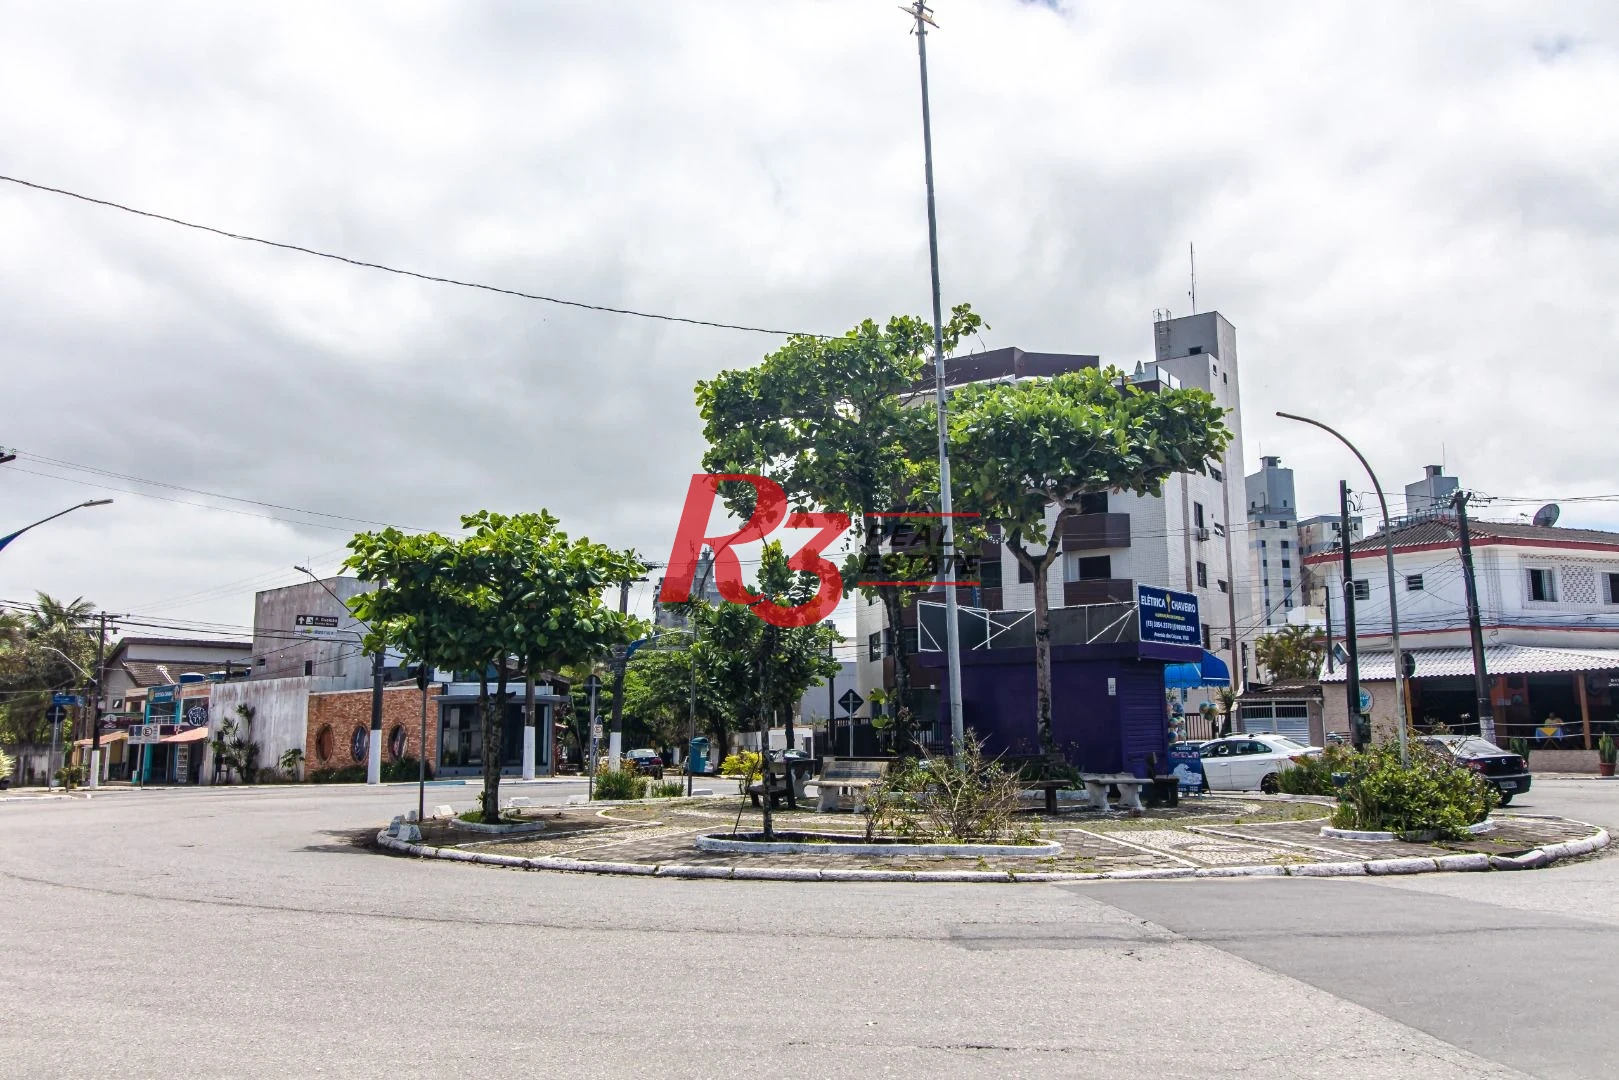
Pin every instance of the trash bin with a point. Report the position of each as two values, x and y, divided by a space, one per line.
697 761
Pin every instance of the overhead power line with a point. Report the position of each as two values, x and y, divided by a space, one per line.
436 278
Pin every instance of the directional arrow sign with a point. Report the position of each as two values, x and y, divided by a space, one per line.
851 701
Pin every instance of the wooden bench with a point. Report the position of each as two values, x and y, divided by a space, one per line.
843 784
1042 773
775 782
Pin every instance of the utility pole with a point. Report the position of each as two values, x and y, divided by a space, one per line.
924 18
1327 603
615 738
93 780
1481 679
373 767
1357 730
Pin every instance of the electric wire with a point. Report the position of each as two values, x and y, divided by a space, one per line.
435 278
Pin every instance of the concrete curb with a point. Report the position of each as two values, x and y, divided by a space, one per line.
718 842
1466 862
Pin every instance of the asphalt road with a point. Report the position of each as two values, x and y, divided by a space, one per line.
216 933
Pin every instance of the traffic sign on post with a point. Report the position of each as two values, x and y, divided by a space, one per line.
851 701
1408 663
56 714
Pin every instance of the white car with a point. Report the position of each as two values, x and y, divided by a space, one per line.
1250 762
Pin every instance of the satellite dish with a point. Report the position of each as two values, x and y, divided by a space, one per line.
1546 516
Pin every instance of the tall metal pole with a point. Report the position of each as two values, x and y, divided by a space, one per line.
93 780
1475 632
1401 720
1352 664
923 17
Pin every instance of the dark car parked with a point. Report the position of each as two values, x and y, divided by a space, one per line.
646 763
1506 772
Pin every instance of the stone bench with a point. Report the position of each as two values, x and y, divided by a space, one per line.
844 784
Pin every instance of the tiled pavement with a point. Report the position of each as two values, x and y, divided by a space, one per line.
1206 832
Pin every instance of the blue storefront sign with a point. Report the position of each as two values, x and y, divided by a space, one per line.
161 695
1168 618
1186 763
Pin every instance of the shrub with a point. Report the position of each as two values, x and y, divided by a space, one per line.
1431 793
741 763
70 776
401 771
1606 750
1521 748
7 764
620 784
960 799
668 790
1313 775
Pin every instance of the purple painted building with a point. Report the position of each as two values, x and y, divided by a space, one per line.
1109 712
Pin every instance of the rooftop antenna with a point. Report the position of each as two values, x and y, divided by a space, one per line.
1191 251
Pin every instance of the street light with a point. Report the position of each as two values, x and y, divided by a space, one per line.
1388 548
373 766
4 540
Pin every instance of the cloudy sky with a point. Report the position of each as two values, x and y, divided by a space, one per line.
1409 211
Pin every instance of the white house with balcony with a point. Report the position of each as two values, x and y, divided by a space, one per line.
1549 610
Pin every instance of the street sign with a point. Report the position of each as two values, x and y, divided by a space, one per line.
144 734
66 699
1365 700
592 684
318 626
56 714
851 701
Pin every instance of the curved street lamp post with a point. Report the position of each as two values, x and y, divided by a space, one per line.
1388 550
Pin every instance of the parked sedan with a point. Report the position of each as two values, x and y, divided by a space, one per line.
1505 771
646 763
1249 762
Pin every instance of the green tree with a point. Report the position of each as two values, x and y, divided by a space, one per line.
516 586
839 423
45 650
1293 652
1025 451
760 667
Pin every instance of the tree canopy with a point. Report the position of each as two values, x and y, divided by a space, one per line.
515 586
43 650
1024 451
838 424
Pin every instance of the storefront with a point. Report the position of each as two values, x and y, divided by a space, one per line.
460 743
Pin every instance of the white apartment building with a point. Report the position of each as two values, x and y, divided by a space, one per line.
1182 540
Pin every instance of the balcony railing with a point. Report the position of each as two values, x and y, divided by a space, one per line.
1098 591
1086 532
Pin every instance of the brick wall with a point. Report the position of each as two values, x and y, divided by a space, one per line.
334 716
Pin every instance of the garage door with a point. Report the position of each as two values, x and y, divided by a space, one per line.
1282 718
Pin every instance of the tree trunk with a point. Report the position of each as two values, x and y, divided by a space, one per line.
764 768
491 751
901 697
1038 568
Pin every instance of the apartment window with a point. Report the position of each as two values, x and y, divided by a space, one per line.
1286 544
1287 583
1093 503
1363 589
1215 474
1205 635
1219 529
1197 514
1413 583
874 646
1223 586
1287 562
309 667
1613 587
1094 568
1542 585
1203 574
1023 575
1263 544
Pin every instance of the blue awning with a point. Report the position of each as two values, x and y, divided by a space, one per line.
1211 672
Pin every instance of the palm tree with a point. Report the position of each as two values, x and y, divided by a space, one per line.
51 617
1293 652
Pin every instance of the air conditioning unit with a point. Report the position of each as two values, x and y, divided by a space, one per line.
1202 536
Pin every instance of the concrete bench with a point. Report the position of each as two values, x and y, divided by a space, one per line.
843 784
1129 785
